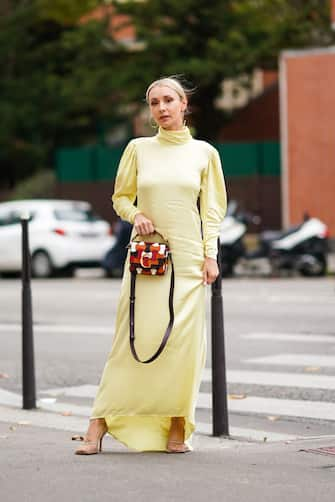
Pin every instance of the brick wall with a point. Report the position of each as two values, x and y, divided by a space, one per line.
308 135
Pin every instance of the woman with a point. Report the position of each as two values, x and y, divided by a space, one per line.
152 406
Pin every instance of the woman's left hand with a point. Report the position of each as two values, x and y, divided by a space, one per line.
210 270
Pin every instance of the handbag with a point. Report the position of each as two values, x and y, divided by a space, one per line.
149 259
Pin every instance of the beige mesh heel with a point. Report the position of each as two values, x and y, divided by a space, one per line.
89 447
177 447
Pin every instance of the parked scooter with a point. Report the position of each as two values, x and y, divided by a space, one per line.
232 231
302 248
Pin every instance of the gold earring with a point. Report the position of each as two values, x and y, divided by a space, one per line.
152 124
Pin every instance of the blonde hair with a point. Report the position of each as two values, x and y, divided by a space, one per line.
171 82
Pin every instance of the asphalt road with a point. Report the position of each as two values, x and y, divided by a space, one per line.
279 334
37 464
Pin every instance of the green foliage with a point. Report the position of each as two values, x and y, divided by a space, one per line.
54 84
64 11
40 185
210 41
62 79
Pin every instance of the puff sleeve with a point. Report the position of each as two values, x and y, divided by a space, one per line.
125 188
213 203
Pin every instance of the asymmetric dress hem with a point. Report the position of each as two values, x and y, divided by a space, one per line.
144 441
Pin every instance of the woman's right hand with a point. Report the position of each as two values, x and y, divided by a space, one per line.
143 225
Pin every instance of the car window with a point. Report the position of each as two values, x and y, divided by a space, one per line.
76 215
13 218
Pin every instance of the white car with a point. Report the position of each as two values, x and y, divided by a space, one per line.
63 234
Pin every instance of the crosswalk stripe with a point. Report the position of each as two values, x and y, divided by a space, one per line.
77 424
266 378
74 409
49 415
286 407
262 378
88 391
255 405
59 328
290 337
294 360
272 406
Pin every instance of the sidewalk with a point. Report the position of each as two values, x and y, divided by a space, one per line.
38 465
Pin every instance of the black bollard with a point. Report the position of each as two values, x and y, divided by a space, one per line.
219 380
28 370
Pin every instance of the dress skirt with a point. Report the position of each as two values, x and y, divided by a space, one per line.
138 400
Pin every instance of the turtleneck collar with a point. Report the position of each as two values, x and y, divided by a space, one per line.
178 137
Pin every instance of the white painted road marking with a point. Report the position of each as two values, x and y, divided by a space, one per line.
259 405
294 360
79 424
318 410
58 328
75 423
266 378
78 391
290 337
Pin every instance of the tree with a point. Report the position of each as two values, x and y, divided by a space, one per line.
62 78
210 41
54 83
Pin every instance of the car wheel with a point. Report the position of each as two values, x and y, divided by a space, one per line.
41 265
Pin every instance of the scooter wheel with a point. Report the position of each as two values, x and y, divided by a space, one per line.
319 269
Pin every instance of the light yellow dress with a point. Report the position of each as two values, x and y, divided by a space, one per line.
167 173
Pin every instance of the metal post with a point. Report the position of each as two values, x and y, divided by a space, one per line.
219 381
28 370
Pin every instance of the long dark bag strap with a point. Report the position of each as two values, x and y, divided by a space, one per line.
132 318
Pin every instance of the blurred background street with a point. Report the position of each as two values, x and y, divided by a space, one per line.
72 95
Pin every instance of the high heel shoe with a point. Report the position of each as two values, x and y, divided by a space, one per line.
184 448
89 447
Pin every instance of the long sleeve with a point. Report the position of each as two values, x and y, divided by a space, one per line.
125 189
213 203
